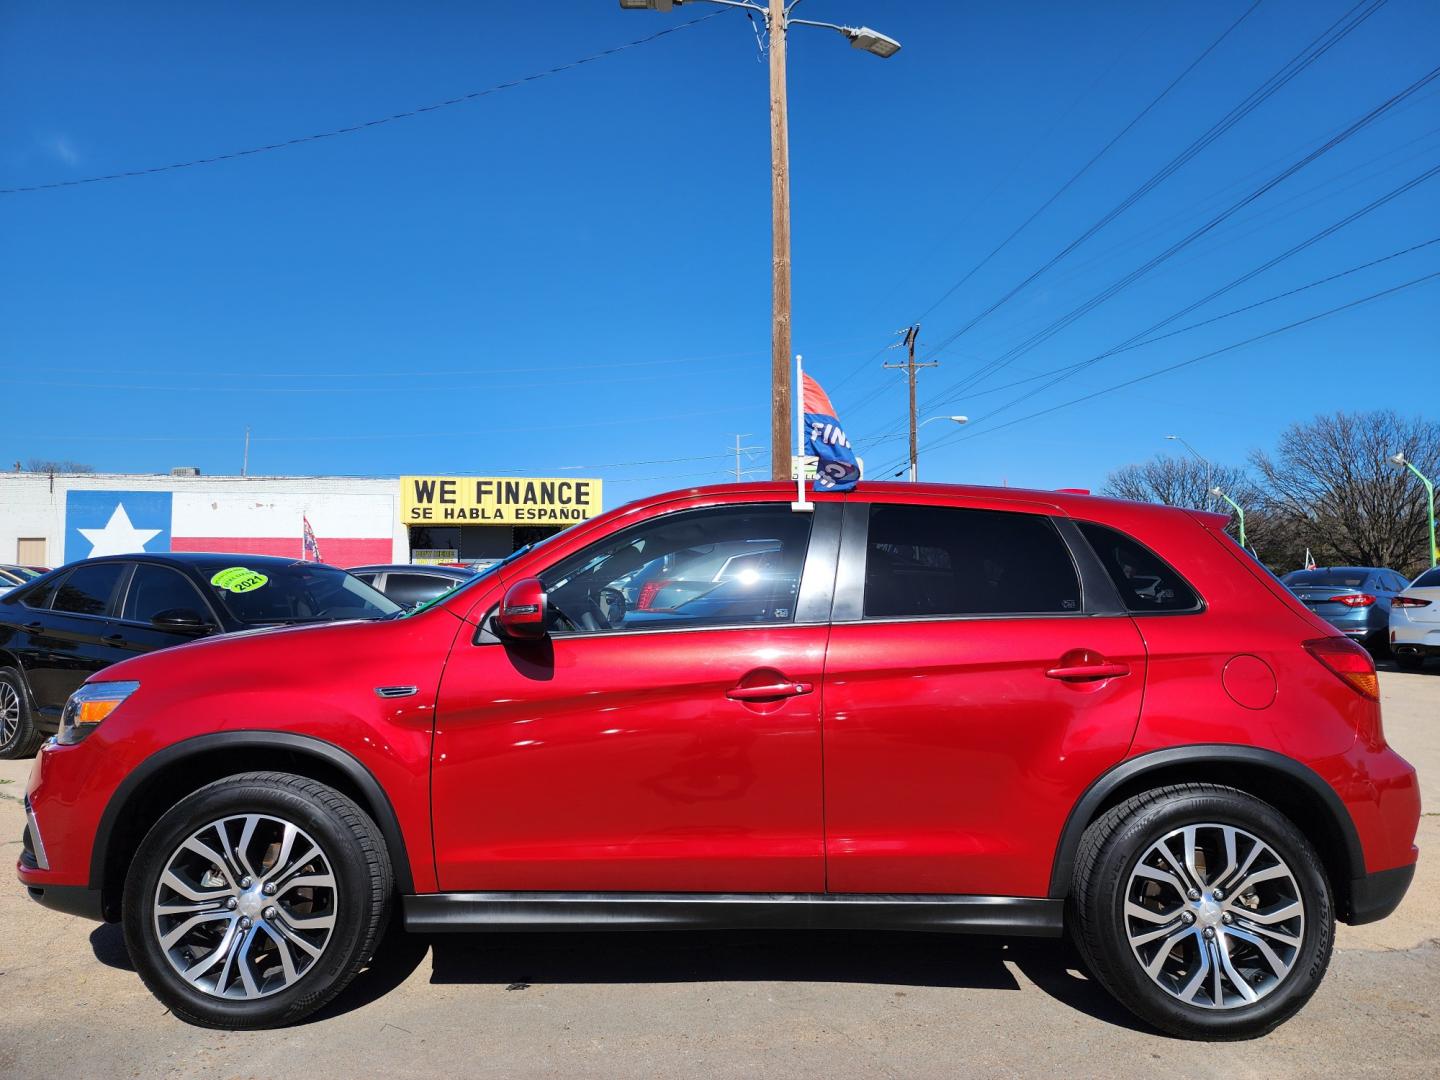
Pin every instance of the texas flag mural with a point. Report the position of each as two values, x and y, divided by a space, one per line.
836 468
126 522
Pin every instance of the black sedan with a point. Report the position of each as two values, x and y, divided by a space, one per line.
58 629
411 585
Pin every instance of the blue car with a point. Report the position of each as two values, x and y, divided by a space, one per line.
1354 599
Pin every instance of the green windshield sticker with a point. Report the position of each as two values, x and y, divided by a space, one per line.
238 579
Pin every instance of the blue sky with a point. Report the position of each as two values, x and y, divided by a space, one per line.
574 274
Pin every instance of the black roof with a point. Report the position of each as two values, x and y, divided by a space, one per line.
194 558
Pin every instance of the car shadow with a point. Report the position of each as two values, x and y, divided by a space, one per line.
879 958
519 961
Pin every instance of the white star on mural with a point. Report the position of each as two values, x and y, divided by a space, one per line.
119 536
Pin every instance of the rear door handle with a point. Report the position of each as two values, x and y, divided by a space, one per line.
770 692
1087 672
114 639
34 627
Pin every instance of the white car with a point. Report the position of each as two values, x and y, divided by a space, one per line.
1415 621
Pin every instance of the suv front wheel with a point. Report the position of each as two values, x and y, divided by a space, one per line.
1203 910
255 900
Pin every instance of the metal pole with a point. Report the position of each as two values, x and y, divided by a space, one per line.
1430 491
245 458
780 247
1239 513
800 503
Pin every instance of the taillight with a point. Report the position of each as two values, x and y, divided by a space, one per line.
1409 601
1363 599
647 594
1349 662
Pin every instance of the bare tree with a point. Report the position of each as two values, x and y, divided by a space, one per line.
1179 481
1330 486
45 465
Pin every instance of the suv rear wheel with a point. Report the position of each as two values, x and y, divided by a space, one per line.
255 900
1203 910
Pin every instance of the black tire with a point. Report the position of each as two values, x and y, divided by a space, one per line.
1409 661
353 852
1108 854
19 737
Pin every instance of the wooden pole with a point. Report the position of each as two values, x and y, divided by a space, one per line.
780 370
910 366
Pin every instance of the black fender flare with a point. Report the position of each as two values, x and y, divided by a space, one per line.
342 760
1252 757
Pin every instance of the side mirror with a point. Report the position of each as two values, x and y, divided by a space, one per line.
522 612
181 621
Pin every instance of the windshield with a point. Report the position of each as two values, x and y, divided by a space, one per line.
267 594
1329 577
480 575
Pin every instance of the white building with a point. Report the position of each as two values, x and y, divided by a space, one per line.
48 520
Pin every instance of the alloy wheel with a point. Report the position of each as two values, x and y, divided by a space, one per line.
9 712
1214 916
245 906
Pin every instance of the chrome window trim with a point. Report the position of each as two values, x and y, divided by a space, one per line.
39 845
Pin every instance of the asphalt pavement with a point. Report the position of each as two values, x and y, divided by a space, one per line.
725 1005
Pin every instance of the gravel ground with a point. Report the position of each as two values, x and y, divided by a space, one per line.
741 1004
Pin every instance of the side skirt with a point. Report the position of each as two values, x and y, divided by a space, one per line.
511 912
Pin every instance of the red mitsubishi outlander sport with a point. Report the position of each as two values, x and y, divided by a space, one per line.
920 707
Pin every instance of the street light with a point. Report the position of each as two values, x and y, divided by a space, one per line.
776 14
1239 513
915 462
1400 461
1206 461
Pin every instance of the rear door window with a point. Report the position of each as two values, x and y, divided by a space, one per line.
154 589
1146 582
929 561
89 589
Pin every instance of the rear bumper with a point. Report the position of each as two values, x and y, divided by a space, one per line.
1375 896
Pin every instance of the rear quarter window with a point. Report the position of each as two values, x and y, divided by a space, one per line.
1147 583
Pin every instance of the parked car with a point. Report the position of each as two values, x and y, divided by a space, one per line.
21 573
411 585
1415 621
987 710
1353 599
61 628
8 580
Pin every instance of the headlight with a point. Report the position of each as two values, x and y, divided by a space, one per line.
88 706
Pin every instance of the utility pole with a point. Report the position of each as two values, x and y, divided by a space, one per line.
778 23
739 471
780 250
911 367
245 458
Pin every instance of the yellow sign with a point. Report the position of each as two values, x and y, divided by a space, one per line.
497 500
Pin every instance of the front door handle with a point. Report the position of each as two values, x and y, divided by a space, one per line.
1088 672
114 639
771 692
34 627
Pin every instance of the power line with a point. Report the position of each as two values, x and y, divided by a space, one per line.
1129 279
1236 282
1307 56
1067 369
1203 356
368 124
1098 155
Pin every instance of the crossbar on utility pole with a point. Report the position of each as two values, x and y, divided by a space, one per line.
911 367
780 250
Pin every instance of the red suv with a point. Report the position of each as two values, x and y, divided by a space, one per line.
926 707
